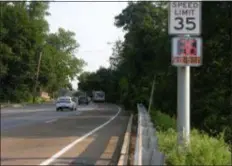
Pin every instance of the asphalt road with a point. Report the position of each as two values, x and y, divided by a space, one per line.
15 117
38 135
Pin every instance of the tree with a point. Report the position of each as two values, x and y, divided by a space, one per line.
24 36
60 65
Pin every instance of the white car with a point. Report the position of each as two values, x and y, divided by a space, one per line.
65 102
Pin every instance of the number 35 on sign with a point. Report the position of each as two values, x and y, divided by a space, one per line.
185 18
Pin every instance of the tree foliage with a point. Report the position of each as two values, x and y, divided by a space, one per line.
146 52
24 37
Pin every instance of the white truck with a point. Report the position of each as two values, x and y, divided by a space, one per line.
98 96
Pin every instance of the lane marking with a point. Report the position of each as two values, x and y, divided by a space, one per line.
65 149
67 158
78 113
111 147
50 121
107 155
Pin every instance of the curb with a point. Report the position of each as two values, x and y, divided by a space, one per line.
124 155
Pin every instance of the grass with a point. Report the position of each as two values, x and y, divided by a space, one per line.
203 149
38 100
162 121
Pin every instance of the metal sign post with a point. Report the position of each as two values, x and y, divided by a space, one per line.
185 20
183 104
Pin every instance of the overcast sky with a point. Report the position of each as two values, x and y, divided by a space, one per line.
93 23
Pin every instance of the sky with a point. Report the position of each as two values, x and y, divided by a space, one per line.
93 24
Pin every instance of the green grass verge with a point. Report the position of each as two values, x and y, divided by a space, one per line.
162 121
38 100
203 149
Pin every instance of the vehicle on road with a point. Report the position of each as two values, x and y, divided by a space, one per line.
65 102
89 99
83 100
98 96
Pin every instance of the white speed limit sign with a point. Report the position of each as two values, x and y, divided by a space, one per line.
185 18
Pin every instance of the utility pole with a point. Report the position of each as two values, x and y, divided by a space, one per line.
151 97
37 76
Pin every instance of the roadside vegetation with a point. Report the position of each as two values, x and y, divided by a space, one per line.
38 100
24 37
203 149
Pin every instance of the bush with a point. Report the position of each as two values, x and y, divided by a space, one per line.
203 149
38 100
162 121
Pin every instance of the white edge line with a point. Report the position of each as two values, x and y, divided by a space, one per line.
65 149
50 121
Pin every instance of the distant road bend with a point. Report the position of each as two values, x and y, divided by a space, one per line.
38 135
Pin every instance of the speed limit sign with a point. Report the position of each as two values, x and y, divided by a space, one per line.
185 18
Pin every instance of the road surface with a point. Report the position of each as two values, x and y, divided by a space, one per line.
39 135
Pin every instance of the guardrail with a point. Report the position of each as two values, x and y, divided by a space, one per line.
146 150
